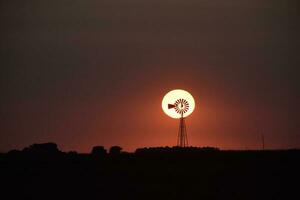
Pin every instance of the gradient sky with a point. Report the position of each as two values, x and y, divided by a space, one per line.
87 72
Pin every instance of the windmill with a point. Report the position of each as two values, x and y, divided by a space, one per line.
179 104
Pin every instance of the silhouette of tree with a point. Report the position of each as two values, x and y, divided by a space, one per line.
175 150
115 150
72 153
98 151
44 148
14 152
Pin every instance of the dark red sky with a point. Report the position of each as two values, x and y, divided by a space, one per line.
85 73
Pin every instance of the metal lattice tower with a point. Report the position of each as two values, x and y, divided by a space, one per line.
182 140
181 106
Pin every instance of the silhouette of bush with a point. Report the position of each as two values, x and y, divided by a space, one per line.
175 149
14 152
98 151
72 153
115 150
44 148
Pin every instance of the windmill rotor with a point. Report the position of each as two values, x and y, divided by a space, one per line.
181 106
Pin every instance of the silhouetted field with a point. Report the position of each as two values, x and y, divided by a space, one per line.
41 171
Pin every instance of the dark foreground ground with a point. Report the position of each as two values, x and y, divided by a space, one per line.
151 174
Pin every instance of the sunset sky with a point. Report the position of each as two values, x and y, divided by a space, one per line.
93 72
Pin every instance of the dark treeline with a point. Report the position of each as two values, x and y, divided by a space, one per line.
52 148
42 171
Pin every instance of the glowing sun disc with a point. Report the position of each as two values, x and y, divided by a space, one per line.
172 103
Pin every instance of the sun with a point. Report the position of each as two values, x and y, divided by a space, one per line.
178 103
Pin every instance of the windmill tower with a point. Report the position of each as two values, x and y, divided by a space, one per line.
179 104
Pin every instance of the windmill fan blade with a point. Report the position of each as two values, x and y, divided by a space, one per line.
170 106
